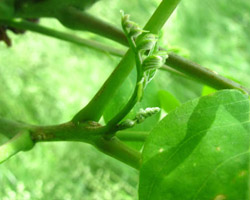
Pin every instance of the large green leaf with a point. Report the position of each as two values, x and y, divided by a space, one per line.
200 151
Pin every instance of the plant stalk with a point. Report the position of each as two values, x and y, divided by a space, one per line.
132 135
202 74
117 149
25 25
77 20
24 136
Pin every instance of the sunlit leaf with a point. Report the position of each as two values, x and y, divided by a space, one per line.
168 101
206 90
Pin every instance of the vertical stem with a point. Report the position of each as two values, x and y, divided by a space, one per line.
161 15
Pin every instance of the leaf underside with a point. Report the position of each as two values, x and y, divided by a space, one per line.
200 151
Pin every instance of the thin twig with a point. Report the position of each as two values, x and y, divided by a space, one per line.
25 25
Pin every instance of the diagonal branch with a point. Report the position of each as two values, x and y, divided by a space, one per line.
25 25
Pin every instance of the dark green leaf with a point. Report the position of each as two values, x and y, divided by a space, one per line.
200 151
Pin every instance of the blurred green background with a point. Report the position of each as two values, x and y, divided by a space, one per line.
46 81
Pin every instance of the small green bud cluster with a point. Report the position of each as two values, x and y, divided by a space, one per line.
139 118
143 114
145 47
131 29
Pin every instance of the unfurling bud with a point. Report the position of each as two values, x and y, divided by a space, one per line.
135 31
147 42
132 29
152 62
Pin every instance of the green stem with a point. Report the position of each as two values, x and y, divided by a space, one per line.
10 128
116 149
89 132
202 74
111 125
76 19
95 108
25 25
21 142
132 135
161 15
175 72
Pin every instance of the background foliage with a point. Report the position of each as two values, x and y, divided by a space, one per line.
45 81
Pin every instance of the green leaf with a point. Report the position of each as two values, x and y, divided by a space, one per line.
168 101
200 151
206 90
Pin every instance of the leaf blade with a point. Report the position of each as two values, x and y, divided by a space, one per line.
177 163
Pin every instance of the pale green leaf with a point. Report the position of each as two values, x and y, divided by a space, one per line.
206 90
168 101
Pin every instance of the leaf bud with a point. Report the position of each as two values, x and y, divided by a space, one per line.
147 42
152 62
143 114
135 31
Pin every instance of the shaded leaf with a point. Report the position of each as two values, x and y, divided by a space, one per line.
200 151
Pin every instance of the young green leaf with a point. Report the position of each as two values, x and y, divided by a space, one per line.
152 62
146 42
200 151
206 90
168 101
